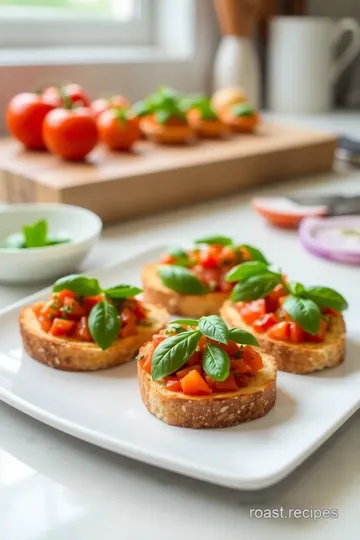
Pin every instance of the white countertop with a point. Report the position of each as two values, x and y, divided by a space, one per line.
54 487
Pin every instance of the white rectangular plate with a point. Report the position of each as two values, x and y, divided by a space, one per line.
105 408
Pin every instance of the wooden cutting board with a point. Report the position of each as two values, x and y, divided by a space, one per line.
155 178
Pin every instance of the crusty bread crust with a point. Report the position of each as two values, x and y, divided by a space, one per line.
188 305
294 357
214 411
71 355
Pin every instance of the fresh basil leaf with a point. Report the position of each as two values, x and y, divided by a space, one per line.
255 253
255 287
79 284
104 324
35 235
296 288
215 240
216 362
242 337
326 298
15 241
172 353
163 116
189 322
245 270
119 292
180 256
180 279
214 328
305 312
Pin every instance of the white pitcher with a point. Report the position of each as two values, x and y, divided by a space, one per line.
302 68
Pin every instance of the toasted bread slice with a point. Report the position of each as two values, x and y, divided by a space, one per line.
216 410
296 357
71 355
188 305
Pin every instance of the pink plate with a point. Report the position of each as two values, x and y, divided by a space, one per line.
333 238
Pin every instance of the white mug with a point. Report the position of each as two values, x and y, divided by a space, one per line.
302 69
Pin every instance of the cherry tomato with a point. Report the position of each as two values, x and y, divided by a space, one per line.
70 133
117 130
25 115
114 102
73 93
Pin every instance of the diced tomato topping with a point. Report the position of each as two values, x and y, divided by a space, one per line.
231 348
264 323
228 256
195 359
51 309
229 385
81 330
297 334
147 363
194 384
72 309
210 382
63 294
251 311
157 339
280 331
37 308
330 311
242 379
128 323
45 323
138 309
185 370
252 358
202 343
91 301
173 384
224 285
272 299
320 336
61 327
240 366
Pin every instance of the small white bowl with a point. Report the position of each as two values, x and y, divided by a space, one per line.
81 226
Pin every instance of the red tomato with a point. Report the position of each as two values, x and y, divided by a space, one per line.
251 311
167 259
272 299
280 331
72 93
173 384
114 102
81 331
65 293
227 386
25 115
70 133
320 336
158 339
252 358
231 348
37 308
209 276
117 130
297 334
72 309
45 323
90 301
61 327
194 384
264 323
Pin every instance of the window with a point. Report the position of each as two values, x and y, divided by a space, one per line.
37 23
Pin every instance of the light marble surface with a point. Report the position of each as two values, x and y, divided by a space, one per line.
53 487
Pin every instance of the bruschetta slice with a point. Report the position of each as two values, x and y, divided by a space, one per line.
192 282
83 327
201 374
302 327
241 118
